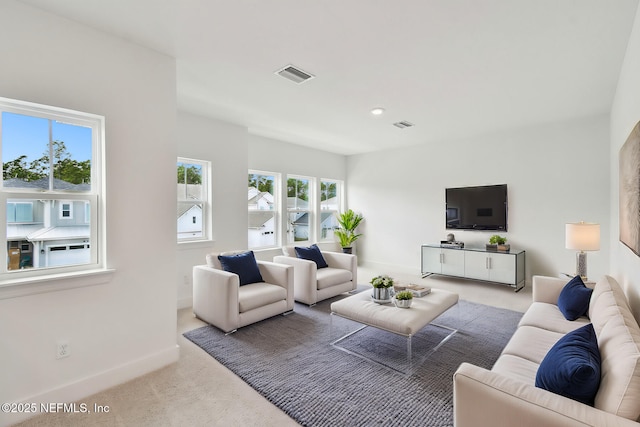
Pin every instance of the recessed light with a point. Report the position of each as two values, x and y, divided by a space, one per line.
377 111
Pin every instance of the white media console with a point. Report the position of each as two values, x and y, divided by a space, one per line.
507 268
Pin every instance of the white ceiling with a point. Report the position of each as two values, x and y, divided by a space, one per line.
454 68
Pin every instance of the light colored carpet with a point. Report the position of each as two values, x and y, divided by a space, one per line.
288 359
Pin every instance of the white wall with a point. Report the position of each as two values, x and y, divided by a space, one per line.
225 146
625 113
556 173
126 327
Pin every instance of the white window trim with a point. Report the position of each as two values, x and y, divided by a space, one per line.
30 281
311 208
207 211
341 202
278 211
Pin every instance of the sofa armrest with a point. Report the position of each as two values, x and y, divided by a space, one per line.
344 261
485 398
547 289
278 274
215 297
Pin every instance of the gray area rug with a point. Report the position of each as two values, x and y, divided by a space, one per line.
289 360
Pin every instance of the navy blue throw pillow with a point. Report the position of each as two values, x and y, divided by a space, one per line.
572 367
574 299
244 265
312 253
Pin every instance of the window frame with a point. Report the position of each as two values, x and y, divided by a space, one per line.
206 201
339 199
310 211
277 210
97 264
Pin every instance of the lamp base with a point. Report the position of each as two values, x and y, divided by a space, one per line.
581 265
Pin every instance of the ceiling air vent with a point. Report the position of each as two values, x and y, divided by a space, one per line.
403 124
294 74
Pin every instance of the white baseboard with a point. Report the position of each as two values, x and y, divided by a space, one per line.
76 391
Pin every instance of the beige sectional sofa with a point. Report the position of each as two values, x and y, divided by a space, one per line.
507 396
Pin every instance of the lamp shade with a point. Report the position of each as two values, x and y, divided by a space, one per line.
582 236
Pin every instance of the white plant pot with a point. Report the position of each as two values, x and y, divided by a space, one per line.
402 303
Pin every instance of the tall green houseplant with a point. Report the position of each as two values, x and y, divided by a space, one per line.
348 221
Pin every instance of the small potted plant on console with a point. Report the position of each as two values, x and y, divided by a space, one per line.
498 243
403 299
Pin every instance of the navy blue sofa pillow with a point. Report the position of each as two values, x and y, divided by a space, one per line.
312 253
571 368
574 299
244 265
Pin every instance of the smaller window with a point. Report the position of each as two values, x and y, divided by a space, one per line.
330 206
66 210
194 205
299 209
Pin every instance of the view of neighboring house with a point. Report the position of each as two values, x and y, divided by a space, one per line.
190 211
261 218
47 233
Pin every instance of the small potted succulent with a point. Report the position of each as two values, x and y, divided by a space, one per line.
498 243
382 286
403 299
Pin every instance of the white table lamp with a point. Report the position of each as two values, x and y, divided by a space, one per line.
582 236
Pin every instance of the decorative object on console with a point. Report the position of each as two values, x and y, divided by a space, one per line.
349 221
629 191
403 299
451 242
382 288
582 236
498 243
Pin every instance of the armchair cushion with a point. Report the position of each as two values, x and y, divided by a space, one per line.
244 265
574 299
312 253
571 368
329 277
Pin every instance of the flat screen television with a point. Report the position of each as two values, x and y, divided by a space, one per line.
477 208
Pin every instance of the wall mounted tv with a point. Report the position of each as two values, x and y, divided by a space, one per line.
477 208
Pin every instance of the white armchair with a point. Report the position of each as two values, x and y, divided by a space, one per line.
312 284
220 300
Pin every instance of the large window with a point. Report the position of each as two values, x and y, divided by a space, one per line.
193 200
52 190
330 206
299 209
263 209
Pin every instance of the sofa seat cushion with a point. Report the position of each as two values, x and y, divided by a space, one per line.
572 367
548 316
515 367
257 295
531 343
618 337
328 277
